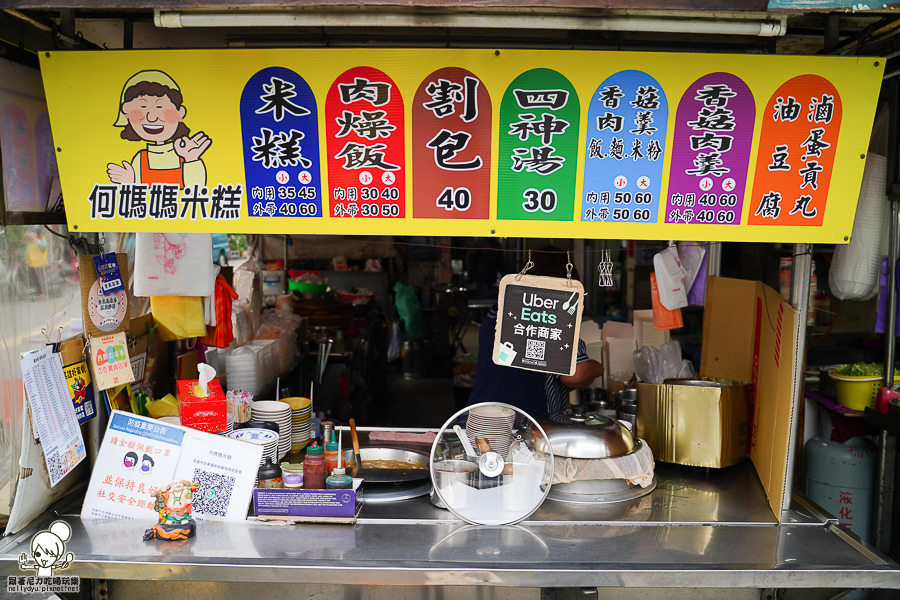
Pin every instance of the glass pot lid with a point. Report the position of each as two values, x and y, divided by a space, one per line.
484 471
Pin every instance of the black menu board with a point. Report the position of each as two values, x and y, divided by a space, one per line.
538 322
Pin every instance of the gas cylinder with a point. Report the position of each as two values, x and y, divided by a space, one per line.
840 477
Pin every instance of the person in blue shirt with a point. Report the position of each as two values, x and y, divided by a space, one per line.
533 392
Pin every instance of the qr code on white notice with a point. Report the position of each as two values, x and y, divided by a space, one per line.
213 493
535 349
55 467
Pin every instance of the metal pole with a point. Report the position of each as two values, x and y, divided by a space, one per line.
801 271
714 259
883 512
885 482
891 290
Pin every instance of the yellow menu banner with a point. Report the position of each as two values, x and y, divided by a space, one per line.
521 143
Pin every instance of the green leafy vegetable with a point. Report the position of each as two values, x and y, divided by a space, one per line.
862 369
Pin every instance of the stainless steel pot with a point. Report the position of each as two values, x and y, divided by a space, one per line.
577 433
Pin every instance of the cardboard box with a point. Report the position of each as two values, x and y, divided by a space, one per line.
309 505
751 334
205 413
696 426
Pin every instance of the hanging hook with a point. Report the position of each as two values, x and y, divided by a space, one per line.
569 267
59 335
46 334
528 266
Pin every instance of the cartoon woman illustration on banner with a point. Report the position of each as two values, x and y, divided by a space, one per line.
151 110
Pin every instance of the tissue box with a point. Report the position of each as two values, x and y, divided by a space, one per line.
327 506
205 413
701 423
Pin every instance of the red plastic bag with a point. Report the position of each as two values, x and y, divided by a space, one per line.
221 335
663 318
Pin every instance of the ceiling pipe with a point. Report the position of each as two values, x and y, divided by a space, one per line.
771 26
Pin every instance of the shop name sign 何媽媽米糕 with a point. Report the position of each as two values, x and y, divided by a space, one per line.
463 142
538 322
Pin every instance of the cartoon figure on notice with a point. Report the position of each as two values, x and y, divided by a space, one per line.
79 388
174 506
151 110
47 548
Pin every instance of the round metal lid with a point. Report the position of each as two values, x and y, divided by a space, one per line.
580 433
484 471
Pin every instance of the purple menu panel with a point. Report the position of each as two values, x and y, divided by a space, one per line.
711 151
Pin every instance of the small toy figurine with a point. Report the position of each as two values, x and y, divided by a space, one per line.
174 506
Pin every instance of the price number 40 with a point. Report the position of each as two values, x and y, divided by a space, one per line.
455 199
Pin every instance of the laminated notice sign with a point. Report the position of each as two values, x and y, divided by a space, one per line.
140 455
538 322
52 412
112 366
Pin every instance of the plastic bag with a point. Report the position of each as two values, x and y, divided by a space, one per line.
655 365
670 276
854 269
693 259
173 264
410 310
663 318
881 317
394 345
178 317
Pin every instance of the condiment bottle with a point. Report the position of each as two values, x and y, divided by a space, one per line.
270 475
314 468
331 455
339 480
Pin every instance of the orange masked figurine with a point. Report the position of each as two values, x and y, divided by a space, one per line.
174 506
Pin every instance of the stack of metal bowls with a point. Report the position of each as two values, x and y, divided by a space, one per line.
626 407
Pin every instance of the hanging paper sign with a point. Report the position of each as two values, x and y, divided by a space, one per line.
101 313
280 137
538 154
796 153
112 366
626 138
711 153
538 322
451 131
107 268
364 123
78 378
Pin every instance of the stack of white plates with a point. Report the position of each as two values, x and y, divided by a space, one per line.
494 424
266 438
229 425
279 412
301 426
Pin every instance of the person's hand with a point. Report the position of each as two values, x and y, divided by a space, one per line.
123 173
190 149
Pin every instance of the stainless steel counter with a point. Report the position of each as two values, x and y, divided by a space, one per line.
698 528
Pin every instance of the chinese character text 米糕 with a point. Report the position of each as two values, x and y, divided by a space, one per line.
277 100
